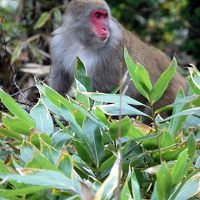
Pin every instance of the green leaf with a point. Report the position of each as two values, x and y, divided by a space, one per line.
123 109
82 77
39 161
113 98
135 187
35 158
49 152
195 76
4 168
60 138
191 145
88 114
192 121
132 69
106 166
184 113
57 99
52 107
10 134
100 114
176 123
27 151
42 118
125 193
197 164
83 101
65 164
135 132
154 195
83 84
15 124
57 15
189 189
194 99
164 182
71 105
163 82
194 89
166 140
124 124
180 168
17 111
170 153
23 191
150 141
38 138
94 139
143 78
42 20
6 197
82 146
68 116
83 151
47 178
110 184
81 98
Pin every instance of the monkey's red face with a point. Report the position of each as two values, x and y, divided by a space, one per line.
99 23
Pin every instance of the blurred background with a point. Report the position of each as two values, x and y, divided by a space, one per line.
26 25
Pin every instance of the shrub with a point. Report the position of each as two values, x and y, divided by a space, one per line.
72 148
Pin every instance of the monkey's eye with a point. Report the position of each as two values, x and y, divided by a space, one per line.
98 15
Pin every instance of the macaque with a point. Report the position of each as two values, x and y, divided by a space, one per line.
90 33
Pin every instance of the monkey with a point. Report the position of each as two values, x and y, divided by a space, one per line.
92 34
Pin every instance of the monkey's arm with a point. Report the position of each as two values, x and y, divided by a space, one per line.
62 70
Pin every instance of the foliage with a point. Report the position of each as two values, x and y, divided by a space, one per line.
167 23
71 148
27 26
192 14
77 148
159 21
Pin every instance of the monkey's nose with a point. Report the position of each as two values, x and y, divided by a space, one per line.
105 30
103 33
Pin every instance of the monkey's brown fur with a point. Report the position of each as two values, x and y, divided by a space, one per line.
103 60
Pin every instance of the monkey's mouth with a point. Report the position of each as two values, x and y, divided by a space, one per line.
103 37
